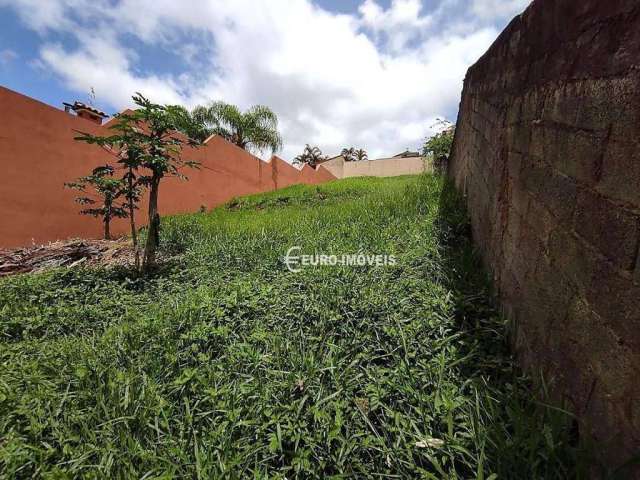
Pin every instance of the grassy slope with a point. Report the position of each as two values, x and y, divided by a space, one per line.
224 364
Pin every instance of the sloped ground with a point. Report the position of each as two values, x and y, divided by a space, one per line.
224 364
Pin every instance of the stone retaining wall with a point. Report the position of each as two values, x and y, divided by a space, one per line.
547 152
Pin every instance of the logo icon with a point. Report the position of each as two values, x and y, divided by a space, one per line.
292 260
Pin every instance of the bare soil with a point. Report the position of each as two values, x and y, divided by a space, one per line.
66 253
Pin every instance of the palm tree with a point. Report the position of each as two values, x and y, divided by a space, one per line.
311 156
253 130
348 154
186 122
361 155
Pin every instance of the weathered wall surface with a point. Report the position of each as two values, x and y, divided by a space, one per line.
384 167
38 155
547 152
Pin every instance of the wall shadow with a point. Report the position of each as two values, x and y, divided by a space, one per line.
518 429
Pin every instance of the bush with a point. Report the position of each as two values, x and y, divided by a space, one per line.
439 146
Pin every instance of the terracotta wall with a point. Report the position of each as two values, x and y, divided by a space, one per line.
38 155
384 167
547 152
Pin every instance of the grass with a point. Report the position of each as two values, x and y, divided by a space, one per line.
223 364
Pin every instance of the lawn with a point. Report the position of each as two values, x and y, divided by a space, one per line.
224 364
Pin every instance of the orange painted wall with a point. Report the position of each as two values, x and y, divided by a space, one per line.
38 155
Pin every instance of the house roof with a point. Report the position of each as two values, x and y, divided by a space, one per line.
83 106
407 154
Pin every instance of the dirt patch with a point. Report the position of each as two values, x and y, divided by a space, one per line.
66 253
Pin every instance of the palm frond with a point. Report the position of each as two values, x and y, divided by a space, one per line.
255 129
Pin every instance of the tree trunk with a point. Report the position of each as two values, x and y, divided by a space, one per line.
107 219
153 236
132 222
134 235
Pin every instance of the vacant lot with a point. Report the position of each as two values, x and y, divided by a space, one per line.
225 364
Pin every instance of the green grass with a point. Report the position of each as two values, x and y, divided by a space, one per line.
223 364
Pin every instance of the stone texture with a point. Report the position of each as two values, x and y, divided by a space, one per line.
612 229
548 157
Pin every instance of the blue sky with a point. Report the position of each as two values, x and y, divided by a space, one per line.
365 73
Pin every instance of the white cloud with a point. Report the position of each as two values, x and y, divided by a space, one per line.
104 65
375 79
488 9
401 22
39 15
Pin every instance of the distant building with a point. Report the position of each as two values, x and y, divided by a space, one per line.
407 154
85 111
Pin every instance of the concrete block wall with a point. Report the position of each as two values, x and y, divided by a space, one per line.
38 155
547 153
384 167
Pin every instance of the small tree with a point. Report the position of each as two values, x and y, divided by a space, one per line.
122 145
159 150
108 189
440 144
311 156
149 149
133 188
